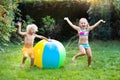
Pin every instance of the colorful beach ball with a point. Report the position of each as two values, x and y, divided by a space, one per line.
49 54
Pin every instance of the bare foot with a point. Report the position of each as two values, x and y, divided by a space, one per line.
31 66
89 66
73 59
22 65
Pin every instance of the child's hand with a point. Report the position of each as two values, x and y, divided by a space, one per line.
19 24
49 40
102 21
66 18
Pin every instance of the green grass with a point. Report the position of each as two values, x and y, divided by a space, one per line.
105 64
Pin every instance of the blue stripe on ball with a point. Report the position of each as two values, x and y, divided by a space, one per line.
51 61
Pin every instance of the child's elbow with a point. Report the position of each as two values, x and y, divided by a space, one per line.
20 33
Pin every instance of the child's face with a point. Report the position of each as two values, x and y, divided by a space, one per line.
32 28
32 31
83 24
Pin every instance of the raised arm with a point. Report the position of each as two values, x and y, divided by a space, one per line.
96 24
19 29
70 23
41 37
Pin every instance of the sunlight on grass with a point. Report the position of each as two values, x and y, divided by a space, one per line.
105 64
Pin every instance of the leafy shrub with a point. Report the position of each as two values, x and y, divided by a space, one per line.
100 10
6 20
115 20
48 26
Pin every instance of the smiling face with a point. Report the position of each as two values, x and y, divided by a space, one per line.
83 23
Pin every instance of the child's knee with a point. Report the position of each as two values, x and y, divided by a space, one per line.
82 52
32 56
89 56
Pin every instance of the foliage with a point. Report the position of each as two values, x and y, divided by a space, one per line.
49 24
108 10
27 21
105 64
115 20
61 31
43 0
116 3
99 10
7 8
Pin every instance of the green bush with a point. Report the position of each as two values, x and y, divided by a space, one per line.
7 8
115 20
97 11
48 26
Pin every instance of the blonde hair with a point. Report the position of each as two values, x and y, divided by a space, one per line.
84 19
32 26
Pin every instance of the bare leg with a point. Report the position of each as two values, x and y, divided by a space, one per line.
89 54
23 61
32 60
81 53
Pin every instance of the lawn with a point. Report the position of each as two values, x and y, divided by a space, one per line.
105 64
